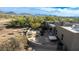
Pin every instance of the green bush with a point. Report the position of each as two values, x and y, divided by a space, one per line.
19 22
36 21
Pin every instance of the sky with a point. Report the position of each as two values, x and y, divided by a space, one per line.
57 11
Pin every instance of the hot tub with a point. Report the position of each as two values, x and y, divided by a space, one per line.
69 36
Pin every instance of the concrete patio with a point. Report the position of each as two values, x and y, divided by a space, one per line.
42 43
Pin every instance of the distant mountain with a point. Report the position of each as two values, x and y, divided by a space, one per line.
1 12
25 14
13 13
42 15
29 14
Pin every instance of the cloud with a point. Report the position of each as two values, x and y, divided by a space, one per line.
63 11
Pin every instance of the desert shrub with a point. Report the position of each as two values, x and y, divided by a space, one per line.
19 22
10 45
18 43
35 21
12 24
23 39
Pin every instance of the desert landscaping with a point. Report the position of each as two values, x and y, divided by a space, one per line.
11 39
26 32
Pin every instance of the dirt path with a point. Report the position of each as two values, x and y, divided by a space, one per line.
3 20
4 33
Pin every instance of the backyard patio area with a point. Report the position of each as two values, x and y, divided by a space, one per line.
42 43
